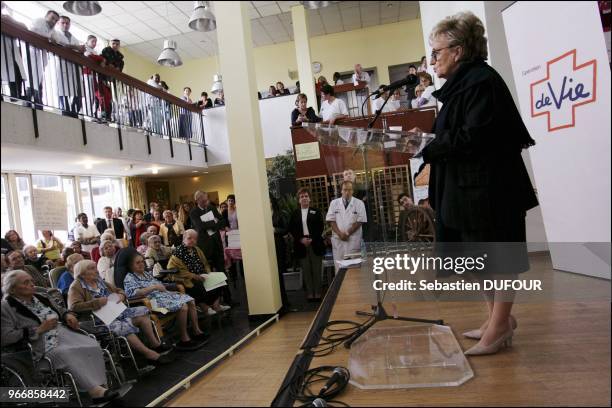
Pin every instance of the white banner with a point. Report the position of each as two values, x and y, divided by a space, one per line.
562 77
49 210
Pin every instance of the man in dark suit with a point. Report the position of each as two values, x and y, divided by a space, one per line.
152 207
209 243
110 222
306 226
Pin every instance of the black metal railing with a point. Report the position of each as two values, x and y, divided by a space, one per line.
43 75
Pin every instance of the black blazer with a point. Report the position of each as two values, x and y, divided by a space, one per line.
117 226
314 220
209 244
477 173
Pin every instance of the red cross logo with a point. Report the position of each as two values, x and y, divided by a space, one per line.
566 86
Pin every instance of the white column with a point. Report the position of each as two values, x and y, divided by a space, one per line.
302 53
247 157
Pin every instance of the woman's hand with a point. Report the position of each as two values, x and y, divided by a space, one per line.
122 298
200 278
48 324
159 287
72 321
306 241
102 301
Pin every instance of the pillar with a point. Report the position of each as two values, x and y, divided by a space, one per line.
302 53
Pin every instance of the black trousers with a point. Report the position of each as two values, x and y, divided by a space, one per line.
200 294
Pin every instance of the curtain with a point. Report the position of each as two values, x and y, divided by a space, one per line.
136 193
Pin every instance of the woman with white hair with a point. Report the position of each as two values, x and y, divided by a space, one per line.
192 271
476 165
106 263
34 318
157 254
89 292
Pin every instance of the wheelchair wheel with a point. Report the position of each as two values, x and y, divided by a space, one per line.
418 226
11 378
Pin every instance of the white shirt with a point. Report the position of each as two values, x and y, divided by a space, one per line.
393 104
80 232
427 98
389 107
345 217
333 110
339 82
304 223
106 269
154 84
364 76
40 27
61 38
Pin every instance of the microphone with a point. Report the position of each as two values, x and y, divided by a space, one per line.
338 374
319 402
411 80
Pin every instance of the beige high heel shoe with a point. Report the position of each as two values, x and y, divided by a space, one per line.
477 334
504 341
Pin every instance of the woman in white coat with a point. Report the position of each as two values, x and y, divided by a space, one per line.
346 215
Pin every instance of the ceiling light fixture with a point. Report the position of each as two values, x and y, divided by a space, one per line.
169 57
154 170
217 86
313 5
82 8
202 19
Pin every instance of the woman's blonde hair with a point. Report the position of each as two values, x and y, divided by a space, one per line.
466 30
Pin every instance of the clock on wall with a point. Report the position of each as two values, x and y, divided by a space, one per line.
316 67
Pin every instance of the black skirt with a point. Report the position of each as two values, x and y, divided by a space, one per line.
200 294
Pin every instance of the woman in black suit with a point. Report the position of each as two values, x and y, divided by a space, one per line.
306 226
479 186
303 113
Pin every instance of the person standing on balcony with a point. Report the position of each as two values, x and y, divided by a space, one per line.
205 102
155 109
332 108
185 116
68 83
220 99
13 71
360 75
97 91
114 60
39 58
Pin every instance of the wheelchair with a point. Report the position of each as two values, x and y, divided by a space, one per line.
19 369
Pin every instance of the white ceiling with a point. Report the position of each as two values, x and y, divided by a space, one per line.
20 159
142 26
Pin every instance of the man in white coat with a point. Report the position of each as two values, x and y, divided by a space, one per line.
346 215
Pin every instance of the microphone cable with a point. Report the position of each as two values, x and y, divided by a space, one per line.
302 389
337 335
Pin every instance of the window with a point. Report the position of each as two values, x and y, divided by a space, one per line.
86 198
24 199
105 191
71 210
6 223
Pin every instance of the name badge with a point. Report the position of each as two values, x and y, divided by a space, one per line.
313 212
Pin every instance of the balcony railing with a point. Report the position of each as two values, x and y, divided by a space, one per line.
43 75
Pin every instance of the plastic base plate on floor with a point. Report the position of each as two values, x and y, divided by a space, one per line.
389 356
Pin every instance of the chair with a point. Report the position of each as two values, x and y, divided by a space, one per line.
55 274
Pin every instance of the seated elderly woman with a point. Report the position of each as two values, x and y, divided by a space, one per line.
106 263
157 254
66 252
31 258
49 246
66 278
78 249
192 269
89 292
31 317
16 261
119 243
144 243
96 253
138 282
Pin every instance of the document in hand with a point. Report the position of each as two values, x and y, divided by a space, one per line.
209 216
111 310
214 280
347 263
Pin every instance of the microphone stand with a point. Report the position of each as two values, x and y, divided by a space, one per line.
378 311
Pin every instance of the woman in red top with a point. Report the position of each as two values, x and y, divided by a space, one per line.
137 227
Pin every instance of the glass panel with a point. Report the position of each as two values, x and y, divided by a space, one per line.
25 209
106 191
71 211
6 223
86 198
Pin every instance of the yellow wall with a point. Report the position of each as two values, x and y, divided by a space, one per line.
137 66
180 186
379 46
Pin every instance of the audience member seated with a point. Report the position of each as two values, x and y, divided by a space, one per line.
66 279
78 249
280 89
272 91
32 317
106 263
192 269
144 243
137 227
332 108
153 229
157 255
31 258
14 240
426 99
156 220
138 282
394 103
303 113
205 102
96 253
89 292
418 92
119 243
378 103
65 254
16 261
50 246
171 230
220 99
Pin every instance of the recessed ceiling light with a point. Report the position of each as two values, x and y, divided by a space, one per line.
194 171
154 170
